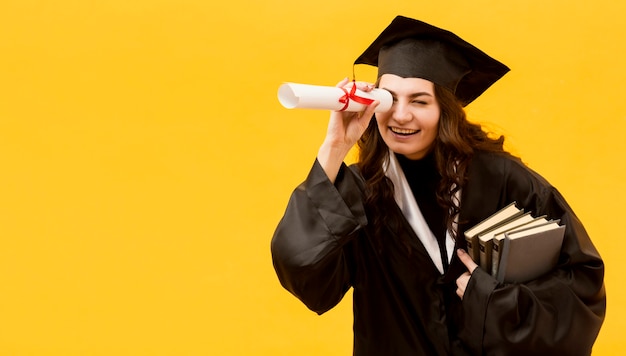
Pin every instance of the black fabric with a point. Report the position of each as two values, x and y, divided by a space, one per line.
403 306
424 58
423 178
414 49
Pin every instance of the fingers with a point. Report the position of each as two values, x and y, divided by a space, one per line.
467 260
463 280
363 86
366 87
370 109
461 284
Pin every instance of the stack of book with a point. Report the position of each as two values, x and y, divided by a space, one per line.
515 247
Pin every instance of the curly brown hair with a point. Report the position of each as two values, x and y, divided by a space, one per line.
457 140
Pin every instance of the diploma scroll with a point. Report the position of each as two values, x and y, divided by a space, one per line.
305 96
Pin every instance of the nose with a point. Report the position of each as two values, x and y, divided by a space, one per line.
401 113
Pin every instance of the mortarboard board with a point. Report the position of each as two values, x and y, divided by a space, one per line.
414 49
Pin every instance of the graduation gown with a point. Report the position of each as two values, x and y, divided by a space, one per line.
402 303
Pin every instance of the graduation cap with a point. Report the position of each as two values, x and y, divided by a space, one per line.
411 48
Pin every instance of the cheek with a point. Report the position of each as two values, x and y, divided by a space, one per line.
433 121
435 126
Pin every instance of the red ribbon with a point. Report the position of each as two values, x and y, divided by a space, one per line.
345 100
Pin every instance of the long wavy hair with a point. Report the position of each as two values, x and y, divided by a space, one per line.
456 142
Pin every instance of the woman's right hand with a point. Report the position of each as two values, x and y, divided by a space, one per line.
344 130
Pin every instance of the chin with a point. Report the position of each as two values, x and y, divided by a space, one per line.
410 153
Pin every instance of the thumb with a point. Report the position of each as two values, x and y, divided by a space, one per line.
466 259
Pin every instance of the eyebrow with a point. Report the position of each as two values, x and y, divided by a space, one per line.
414 95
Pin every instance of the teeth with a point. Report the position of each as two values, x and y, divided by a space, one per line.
403 131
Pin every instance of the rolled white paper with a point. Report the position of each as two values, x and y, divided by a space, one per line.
305 96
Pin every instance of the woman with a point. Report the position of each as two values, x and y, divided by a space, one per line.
391 226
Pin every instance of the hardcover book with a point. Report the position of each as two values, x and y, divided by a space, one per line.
530 253
498 240
485 238
500 217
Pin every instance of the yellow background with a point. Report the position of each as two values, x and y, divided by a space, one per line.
145 159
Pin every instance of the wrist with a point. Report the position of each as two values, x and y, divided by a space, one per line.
329 151
331 158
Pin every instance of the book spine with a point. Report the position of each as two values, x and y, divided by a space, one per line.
485 248
495 256
504 250
472 247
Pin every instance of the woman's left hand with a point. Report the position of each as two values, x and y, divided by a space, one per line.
461 282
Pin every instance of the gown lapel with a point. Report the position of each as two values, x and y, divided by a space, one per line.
406 202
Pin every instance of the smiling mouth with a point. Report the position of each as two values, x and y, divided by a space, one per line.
403 132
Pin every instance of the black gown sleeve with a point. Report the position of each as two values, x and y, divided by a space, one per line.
560 313
308 244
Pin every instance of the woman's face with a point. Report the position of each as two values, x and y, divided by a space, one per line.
410 127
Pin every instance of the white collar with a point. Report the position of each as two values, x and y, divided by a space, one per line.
406 201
